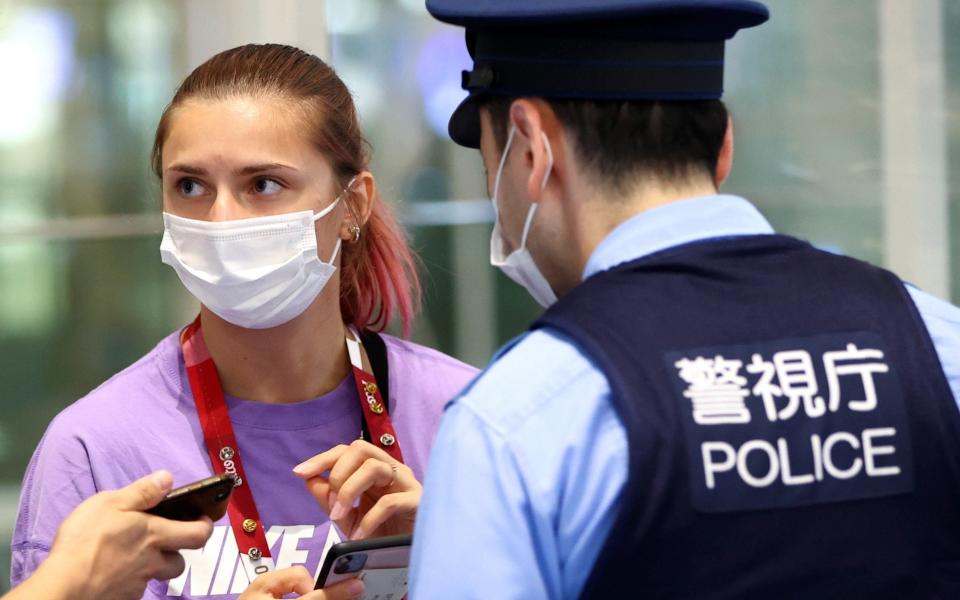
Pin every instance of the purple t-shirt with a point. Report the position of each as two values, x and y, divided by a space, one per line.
144 419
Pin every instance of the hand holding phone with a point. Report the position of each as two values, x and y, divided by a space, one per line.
207 497
107 535
297 580
381 563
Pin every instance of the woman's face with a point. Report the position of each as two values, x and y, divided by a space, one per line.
244 157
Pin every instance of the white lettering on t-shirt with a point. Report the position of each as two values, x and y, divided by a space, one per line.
252 568
200 565
218 568
228 564
290 554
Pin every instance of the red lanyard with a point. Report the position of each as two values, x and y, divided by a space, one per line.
222 443
371 402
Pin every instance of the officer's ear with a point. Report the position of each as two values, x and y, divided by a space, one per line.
533 119
725 159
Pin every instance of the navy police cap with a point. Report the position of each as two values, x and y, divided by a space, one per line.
592 49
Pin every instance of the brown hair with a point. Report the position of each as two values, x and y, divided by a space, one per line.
378 276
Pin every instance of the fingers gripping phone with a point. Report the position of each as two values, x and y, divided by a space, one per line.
207 497
380 562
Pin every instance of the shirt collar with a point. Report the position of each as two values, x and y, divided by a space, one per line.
674 224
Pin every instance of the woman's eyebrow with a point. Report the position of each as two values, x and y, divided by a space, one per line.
248 170
253 169
189 169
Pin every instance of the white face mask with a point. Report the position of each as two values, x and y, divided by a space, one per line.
519 264
255 273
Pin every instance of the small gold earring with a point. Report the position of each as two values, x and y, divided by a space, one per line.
355 230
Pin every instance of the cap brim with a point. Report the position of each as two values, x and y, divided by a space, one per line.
464 126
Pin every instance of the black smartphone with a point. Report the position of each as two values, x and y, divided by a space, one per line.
380 562
190 502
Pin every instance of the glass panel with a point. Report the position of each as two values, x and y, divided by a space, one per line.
805 97
951 55
75 134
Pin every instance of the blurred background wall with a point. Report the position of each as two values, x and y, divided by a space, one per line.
847 125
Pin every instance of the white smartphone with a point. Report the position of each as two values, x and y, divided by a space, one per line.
381 563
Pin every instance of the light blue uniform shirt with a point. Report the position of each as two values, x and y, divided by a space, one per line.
525 475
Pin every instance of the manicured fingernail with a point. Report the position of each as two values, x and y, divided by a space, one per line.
300 469
354 588
358 534
338 512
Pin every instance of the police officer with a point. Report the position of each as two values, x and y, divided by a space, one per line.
706 409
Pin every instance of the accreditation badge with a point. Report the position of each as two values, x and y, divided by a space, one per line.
792 422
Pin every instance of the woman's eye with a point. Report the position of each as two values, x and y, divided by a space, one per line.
190 188
267 186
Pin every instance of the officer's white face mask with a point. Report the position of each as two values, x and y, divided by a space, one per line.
255 273
519 264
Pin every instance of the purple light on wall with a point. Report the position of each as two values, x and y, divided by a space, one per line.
37 64
442 58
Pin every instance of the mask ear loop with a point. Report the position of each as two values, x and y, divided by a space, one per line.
355 229
543 184
506 150
327 210
546 175
336 251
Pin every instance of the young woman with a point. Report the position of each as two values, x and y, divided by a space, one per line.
272 220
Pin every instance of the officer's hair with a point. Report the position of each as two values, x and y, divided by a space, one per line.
625 142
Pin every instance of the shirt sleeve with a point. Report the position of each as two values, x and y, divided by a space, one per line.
474 537
523 481
58 478
942 320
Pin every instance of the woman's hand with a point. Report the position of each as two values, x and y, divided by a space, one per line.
387 491
297 580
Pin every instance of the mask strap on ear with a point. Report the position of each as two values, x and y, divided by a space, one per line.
546 176
533 206
326 211
349 185
526 226
353 213
506 148
336 251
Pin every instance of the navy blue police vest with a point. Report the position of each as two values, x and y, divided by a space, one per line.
791 433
